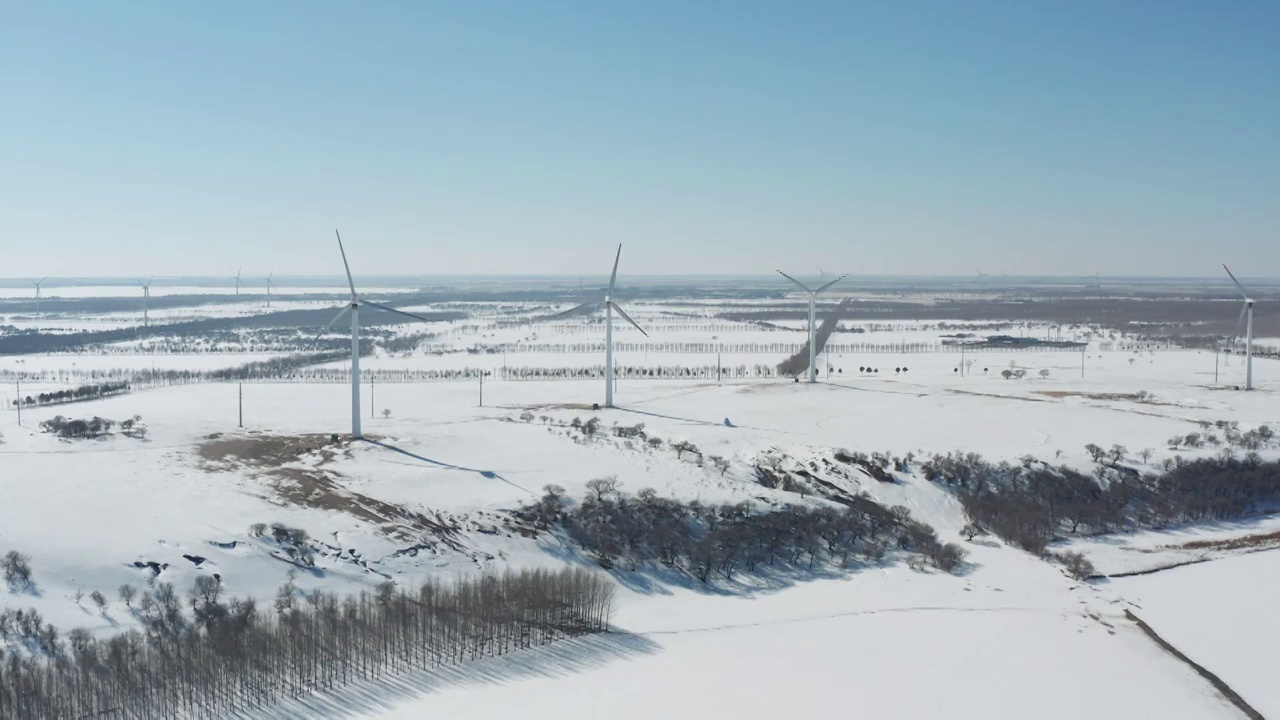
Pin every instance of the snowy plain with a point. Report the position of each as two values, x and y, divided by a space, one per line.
1012 636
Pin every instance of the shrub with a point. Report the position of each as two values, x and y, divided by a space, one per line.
1077 565
17 570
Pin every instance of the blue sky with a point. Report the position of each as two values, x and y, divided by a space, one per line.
1136 138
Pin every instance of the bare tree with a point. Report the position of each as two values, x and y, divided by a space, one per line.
603 486
1117 453
127 593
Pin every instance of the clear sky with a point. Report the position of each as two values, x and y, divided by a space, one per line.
1023 137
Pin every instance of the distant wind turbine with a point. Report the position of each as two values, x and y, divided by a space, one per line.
353 307
38 283
609 307
1246 316
146 300
981 278
237 279
813 301
269 275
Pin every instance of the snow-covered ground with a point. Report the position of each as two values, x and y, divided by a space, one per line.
1222 614
1010 637
1012 640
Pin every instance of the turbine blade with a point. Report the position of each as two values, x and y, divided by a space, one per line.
627 317
388 308
346 309
1244 310
583 309
1243 293
342 250
614 277
797 282
833 282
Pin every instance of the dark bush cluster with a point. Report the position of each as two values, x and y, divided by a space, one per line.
703 539
93 427
1030 504
220 657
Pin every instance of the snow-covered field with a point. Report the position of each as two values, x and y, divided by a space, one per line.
1012 640
1011 636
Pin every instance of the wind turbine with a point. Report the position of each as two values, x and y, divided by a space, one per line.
146 298
38 283
273 272
354 308
813 300
609 307
237 279
1246 316
981 278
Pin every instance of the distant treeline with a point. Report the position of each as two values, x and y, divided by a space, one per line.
227 657
83 393
30 342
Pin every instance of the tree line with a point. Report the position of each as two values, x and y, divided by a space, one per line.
708 540
211 656
1031 503
82 393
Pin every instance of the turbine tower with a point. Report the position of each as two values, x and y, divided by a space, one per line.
610 306
269 275
146 300
353 307
813 301
237 279
1246 316
38 283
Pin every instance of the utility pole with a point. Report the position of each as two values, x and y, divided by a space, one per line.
241 404
372 383
1082 347
719 373
17 384
481 388
1215 363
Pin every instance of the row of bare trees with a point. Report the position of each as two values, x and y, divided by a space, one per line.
227 657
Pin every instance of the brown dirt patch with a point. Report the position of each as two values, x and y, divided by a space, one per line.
1259 541
278 460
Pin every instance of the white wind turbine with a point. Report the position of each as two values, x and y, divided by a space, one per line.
146 300
813 301
1246 316
269 275
38 283
609 307
237 279
353 307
